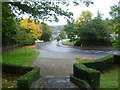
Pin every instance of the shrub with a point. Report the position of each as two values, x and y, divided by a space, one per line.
15 69
117 59
88 70
78 43
26 80
88 74
28 74
102 63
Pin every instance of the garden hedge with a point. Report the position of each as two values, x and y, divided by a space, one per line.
27 74
15 69
87 74
102 63
117 59
89 71
26 80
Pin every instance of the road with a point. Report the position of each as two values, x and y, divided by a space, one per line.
53 50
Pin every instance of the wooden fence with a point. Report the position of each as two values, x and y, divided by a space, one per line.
7 49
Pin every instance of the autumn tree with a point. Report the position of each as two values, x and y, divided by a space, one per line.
31 27
85 16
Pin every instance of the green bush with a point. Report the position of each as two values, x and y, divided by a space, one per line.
27 74
15 69
117 59
88 70
26 80
102 63
78 43
88 74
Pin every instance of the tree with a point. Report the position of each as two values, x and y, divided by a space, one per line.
98 16
115 13
12 33
44 9
85 16
8 26
116 42
31 27
70 30
46 32
94 33
88 31
62 35
23 37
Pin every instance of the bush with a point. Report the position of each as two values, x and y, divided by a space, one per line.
86 70
15 69
117 59
78 43
27 74
102 63
104 42
88 74
26 80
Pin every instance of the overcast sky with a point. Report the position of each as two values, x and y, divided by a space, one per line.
102 5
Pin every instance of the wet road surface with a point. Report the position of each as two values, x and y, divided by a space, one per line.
53 50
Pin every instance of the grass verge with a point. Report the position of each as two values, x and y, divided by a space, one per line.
84 60
69 43
65 42
110 79
22 56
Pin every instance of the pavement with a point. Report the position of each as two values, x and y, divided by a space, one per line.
57 67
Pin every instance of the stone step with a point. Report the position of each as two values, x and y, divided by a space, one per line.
55 82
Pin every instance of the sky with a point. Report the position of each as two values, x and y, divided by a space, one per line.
102 5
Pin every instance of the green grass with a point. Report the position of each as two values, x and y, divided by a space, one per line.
21 56
84 60
66 42
70 43
110 79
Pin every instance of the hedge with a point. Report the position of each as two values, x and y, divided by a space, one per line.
89 71
102 63
27 74
87 74
82 84
117 59
15 69
26 80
